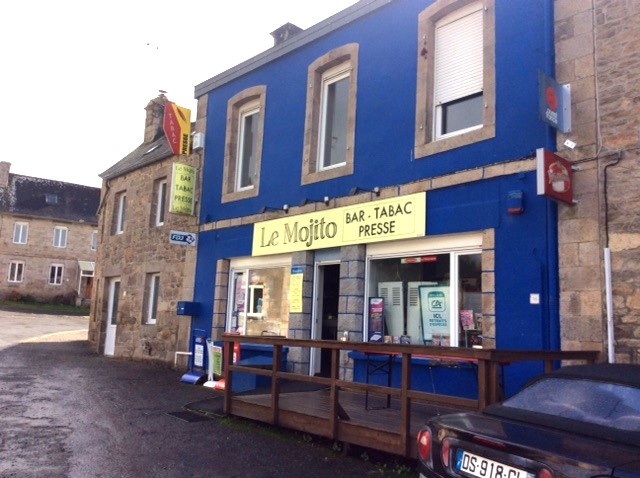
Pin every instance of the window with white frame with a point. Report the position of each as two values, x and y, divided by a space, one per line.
120 212
334 113
455 102
16 271
60 236
330 115
152 293
244 139
430 295
258 302
94 240
160 200
20 232
247 145
55 274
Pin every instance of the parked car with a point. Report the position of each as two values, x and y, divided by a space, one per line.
579 421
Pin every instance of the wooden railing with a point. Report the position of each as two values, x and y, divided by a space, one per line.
488 370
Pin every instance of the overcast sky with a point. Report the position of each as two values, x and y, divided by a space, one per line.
76 75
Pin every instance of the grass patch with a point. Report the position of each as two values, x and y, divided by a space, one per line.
56 309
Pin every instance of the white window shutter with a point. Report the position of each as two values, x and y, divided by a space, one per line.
458 55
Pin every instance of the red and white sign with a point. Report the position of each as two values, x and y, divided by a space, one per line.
554 176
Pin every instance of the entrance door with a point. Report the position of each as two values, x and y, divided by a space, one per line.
112 316
325 315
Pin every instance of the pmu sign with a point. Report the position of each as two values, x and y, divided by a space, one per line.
183 238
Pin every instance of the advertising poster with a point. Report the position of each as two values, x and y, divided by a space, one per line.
435 312
376 319
295 288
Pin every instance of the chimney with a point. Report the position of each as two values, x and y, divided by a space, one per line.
153 126
285 32
4 174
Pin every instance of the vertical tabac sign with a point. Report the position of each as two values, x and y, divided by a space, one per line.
183 186
177 128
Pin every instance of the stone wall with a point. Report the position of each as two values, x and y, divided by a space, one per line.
618 82
596 54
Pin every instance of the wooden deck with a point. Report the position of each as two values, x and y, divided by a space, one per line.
377 427
334 408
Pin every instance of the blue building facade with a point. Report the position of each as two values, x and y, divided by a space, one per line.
374 178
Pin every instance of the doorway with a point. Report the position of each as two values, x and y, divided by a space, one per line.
112 316
325 315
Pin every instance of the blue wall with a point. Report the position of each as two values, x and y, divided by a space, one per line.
386 99
525 244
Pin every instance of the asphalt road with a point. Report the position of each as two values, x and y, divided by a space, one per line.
67 412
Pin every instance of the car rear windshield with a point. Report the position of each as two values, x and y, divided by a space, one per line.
607 404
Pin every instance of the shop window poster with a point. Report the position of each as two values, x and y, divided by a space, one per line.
466 319
434 309
376 319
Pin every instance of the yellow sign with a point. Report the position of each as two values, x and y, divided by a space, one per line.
183 185
295 289
384 220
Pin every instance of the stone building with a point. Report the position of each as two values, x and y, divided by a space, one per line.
596 53
141 273
48 239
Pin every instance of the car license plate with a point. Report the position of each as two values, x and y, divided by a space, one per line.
480 467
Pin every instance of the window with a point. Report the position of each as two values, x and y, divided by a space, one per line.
20 233
51 199
16 271
247 146
55 274
430 297
259 301
94 240
160 201
330 115
455 103
60 236
153 291
243 154
120 212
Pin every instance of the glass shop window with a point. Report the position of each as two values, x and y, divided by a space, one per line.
259 302
430 299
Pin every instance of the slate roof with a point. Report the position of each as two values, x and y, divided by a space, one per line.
143 155
27 196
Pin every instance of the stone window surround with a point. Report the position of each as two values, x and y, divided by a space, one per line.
425 144
234 109
341 55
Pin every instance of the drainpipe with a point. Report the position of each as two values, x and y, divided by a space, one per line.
553 314
611 355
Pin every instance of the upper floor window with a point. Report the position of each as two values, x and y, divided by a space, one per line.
160 200
55 274
456 75
16 271
120 212
20 233
153 292
330 115
244 138
60 236
94 240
